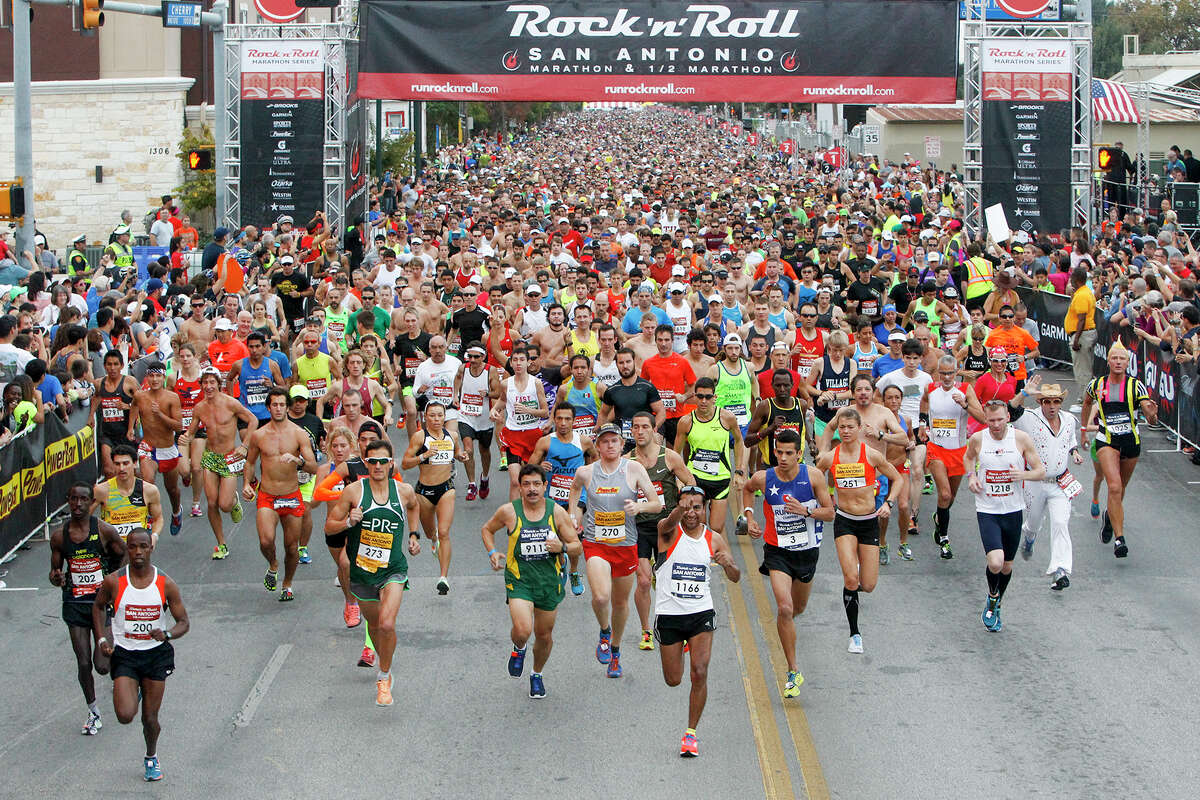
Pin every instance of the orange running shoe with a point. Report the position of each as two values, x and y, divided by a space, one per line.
383 691
352 614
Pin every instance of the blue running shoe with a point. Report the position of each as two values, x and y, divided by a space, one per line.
537 689
1095 511
516 662
305 558
153 772
614 666
990 613
176 523
1027 548
604 648
576 584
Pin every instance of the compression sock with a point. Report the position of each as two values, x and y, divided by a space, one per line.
692 731
1002 583
382 676
993 579
943 522
370 645
850 601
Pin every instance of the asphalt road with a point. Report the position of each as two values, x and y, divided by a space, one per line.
1085 693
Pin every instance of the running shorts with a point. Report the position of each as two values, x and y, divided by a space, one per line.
952 458
1000 532
866 530
622 558
714 490
675 628
647 543
435 492
882 487
1124 445
77 615
799 565
285 505
154 664
167 458
483 437
369 592
544 592
519 444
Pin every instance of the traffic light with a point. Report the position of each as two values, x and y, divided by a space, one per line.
200 158
12 200
90 16
1105 156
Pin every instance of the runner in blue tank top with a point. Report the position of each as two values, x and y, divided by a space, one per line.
254 380
560 454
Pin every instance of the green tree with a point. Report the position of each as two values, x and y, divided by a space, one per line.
396 155
199 189
1160 26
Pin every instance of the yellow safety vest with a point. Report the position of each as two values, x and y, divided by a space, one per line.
122 255
87 268
979 277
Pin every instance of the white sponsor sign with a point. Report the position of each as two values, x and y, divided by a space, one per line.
1016 55
933 147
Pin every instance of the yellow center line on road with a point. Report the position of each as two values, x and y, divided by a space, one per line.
777 779
802 741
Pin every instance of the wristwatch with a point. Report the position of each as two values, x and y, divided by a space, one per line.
740 472
890 503
166 636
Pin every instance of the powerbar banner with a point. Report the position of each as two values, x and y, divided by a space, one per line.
36 470
821 51
1027 132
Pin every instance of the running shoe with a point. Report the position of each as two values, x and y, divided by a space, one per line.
367 659
383 691
946 553
220 552
855 644
647 642
576 584
1027 548
236 513
305 558
614 666
176 523
471 492
352 614
905 552
884 558
286 594
1095 511
990 613
196 511
688 748
791 686
443 585
483 489
516 662
928 488
741 527
1061 581
93 724
913 530
604 648
1120 549
153 771
537 687
1106 530
271 580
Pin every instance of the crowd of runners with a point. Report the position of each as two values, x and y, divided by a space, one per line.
631 330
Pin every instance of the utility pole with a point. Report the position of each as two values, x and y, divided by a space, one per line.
23 124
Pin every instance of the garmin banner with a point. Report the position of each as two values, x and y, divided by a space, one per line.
1027 132
657 50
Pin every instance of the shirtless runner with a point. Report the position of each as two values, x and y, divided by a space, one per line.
161 416
223 458
285 448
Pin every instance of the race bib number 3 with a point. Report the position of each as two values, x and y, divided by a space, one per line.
610 526
374 550
689 581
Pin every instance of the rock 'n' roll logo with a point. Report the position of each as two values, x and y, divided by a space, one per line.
788 61
511 61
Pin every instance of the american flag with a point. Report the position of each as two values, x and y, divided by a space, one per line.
1111 102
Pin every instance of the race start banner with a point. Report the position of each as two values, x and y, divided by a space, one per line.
822 51
1027 132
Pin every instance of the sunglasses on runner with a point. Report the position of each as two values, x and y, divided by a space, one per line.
377 459
1008 316
705 396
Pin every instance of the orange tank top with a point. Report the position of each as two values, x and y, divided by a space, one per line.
857 474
